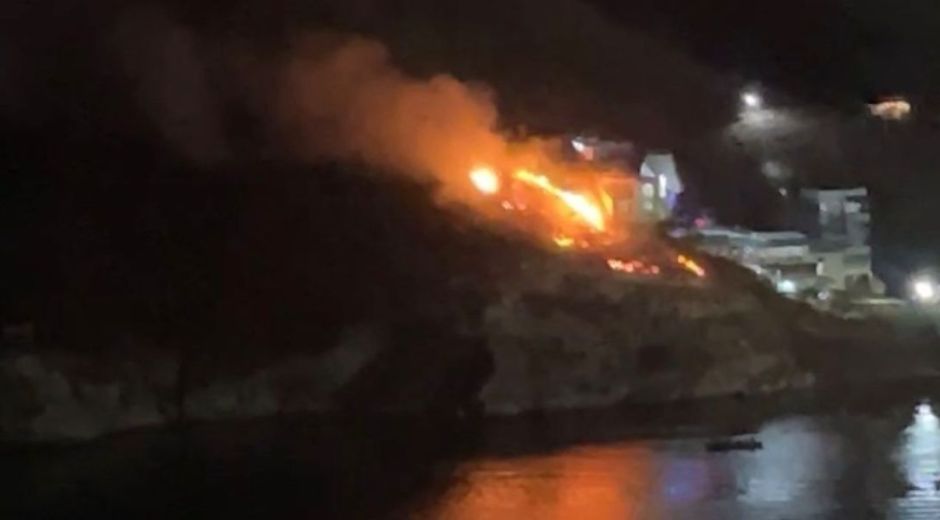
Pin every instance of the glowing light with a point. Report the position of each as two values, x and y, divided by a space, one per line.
891 109
924 289
485 180
691 265
633 267
924 418
588 211
786 286
563 241
917 454
752 100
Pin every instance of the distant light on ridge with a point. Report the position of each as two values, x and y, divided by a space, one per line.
893 109
752 100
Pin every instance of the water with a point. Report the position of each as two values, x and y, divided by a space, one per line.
837 463
809 467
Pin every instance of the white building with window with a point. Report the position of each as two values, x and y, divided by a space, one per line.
658 182
784 258
660 186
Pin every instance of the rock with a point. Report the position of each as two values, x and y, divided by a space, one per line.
594 343
554 338
51 398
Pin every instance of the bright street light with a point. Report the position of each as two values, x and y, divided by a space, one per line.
752 100
924 289
786 286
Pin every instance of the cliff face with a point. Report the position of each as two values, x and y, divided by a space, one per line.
571 341
557 338
54 396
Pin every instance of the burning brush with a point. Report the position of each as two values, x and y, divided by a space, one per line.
578 219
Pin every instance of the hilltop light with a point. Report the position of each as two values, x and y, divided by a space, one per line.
752 100
894 109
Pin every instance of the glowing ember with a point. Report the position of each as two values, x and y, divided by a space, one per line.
691 266
632 267
563 241
578 203
485 180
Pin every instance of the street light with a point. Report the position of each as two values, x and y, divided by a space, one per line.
923 289
786 286
752 100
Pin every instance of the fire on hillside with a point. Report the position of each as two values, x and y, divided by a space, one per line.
572 215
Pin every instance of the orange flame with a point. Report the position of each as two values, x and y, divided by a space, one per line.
485 180
691 266
563 242
578 203
633 267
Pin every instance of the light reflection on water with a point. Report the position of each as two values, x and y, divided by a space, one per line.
579 483
882 463
918 457
809 467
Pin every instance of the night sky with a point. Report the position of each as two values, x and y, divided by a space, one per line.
835 52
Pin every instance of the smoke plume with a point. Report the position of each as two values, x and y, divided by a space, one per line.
342 98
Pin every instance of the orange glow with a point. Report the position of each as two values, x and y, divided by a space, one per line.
485 180
894 109
563 242
633 267
608 202
581 205
596 482
691 266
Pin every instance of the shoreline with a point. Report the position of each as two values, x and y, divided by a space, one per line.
726 416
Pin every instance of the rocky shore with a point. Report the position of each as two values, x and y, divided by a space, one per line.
558 338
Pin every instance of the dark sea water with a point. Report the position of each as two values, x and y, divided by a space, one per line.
854 461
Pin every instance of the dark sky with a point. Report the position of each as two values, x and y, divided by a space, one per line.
549 59
836 52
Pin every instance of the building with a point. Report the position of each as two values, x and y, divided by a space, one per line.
836 216
847 267
608 151
839 223
659 188
830 252
784 258
658 185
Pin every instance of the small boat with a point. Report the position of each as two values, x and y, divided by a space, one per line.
720 445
